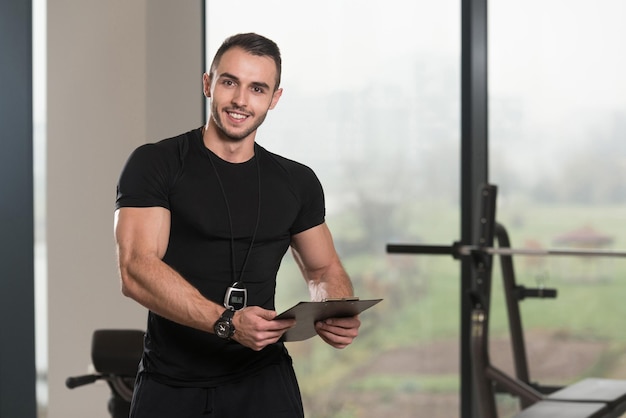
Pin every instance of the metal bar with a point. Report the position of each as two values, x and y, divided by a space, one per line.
483 386
513 386
467 250
420 249
518 344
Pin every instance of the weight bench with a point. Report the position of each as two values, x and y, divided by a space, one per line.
115 355
556 409
588 398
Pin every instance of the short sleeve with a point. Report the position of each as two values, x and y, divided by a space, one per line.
313 209
146 178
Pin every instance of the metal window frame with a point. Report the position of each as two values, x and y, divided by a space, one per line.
17 281
474 167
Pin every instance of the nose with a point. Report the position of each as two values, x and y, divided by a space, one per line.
240 97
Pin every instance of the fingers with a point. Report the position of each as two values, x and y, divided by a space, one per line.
256 328
338 332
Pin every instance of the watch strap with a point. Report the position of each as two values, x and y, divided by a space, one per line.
228 314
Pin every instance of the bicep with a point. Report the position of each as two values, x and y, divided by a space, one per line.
142 231
314 249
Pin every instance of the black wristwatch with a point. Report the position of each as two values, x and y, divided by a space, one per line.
224 327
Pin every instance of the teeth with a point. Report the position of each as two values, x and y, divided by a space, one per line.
237 116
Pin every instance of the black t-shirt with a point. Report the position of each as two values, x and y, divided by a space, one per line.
179 174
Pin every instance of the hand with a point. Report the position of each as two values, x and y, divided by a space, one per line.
256 328
338 332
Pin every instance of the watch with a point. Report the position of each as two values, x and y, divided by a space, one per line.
224 327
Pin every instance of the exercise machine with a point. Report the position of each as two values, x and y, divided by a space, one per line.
115 355
588 398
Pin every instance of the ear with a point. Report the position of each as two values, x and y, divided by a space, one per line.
275 98
206 84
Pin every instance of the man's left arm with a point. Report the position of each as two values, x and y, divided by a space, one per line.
315 254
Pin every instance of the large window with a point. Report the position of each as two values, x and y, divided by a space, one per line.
558 156
371 103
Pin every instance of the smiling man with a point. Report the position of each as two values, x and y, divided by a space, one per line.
202 222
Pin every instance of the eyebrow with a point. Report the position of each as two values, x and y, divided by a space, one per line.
254 83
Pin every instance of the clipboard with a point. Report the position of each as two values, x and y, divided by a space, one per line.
308 313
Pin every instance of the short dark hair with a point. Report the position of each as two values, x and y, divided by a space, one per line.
253 44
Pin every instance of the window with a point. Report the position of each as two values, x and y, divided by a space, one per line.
558 156
371 102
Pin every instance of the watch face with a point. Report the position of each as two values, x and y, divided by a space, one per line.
223 329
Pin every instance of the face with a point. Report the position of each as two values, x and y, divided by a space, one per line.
241 89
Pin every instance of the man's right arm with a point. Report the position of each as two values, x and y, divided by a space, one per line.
142 236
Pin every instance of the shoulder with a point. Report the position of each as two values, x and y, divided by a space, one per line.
173 148
300 179
290 167
166 156
150 172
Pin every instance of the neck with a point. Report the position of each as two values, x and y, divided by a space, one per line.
233 151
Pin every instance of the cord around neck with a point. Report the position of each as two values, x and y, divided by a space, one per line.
230 220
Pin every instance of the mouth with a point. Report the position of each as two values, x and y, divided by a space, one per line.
237 116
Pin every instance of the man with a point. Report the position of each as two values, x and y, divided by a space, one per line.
202 222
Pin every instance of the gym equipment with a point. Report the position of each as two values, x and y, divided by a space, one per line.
456 250
589 398
115 355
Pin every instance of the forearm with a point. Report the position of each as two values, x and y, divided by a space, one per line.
332 282
319 263
159 288
315 255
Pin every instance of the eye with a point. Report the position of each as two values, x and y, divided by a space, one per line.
228 83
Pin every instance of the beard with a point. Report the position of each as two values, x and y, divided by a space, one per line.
231 134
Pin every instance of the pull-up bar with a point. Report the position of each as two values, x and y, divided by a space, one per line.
457 250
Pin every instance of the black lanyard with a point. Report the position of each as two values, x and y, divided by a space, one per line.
230 220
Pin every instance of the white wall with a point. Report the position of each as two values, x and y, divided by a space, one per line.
120 73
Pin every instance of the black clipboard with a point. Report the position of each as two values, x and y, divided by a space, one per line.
308 313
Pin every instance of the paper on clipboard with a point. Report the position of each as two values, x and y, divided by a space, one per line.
308 313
